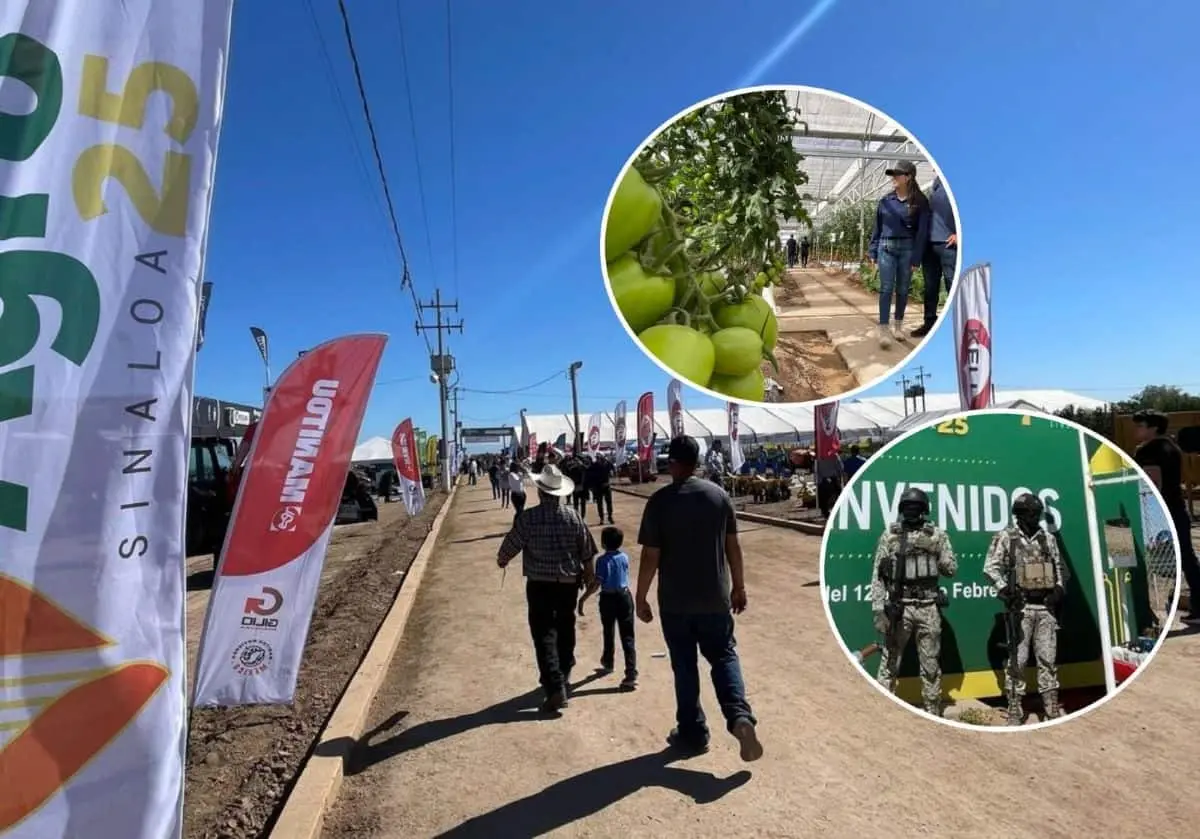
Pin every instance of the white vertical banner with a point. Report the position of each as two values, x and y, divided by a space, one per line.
736 458
675 408
620 439
593 436
973 337
108 142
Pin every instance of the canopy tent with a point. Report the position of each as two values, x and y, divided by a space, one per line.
916 420
372 450
875 417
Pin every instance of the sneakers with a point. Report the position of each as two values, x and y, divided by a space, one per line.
746 735
883 334
898 331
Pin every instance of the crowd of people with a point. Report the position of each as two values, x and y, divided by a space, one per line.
689 541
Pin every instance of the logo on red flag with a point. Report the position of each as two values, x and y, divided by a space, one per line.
645 420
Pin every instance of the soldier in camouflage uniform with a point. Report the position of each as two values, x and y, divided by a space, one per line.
1026 568
905 596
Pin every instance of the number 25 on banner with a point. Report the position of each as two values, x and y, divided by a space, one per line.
957 427
60 277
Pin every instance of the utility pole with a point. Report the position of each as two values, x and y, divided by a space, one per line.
572 372
442 366
920 380
903 382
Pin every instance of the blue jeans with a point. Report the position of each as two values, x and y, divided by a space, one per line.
895 275
938 267
712 636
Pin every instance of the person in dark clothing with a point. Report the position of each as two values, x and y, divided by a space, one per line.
494 477
558 554
616 605
539 461
575 469
792 250
1162 459
853 463
386 482
598 478
941 254
515 476
897 245
804 249
689 540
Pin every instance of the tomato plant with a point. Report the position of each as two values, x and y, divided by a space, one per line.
635 211
750 386
738 351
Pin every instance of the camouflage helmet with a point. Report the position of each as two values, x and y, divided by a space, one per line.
913 496
1027 504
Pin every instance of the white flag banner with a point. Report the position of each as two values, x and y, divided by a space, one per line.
736 458
619 433
675 408
973 337
108 142
593 437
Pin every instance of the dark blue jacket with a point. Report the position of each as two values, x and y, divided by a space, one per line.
941 222
893 221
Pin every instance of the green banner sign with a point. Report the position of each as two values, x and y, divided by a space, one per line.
973 467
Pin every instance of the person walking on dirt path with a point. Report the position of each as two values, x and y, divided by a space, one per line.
941 254
897 245
598 477
558 554
828 474
494 479
906 599
689 541
1024 564
575 469
473 471
616 605
804 249
516 487
505 487
792 250
1162 459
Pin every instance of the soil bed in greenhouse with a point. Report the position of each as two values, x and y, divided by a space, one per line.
809 367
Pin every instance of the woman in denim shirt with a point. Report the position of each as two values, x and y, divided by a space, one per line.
897 245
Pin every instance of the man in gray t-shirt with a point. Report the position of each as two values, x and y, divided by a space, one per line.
689 540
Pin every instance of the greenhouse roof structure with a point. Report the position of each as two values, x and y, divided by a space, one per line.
846 149
874 417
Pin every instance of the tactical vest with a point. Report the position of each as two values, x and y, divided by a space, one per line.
920 556
1035 577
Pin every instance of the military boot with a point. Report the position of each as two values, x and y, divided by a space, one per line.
934 708
1050 703
1016 713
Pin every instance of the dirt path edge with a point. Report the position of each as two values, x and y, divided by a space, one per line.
316 789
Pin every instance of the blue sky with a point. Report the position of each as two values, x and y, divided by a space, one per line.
1061 128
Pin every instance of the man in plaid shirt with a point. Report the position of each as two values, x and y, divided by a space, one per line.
559 554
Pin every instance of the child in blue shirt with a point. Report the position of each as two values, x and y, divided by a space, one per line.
616 604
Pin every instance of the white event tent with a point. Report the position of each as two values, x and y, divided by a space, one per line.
876 417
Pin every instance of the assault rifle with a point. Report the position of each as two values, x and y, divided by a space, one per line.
894 607
1012 622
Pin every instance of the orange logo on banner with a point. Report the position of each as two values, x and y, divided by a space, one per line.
69 729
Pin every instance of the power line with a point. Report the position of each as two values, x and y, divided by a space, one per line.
453 163
515 390
331 76
406 277
412 127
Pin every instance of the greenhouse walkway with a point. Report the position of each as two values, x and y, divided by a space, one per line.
815 301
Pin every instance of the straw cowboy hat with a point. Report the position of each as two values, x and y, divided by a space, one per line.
553 482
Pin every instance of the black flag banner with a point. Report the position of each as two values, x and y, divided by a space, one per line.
205 296
260 338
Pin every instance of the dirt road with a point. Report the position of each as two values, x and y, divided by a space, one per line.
241 761
456 750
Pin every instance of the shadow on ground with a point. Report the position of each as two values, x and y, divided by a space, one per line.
482 538
587 793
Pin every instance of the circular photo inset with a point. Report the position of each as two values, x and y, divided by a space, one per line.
780 244
998 569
